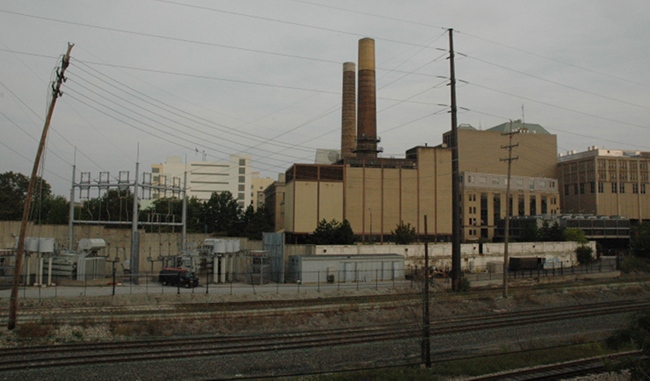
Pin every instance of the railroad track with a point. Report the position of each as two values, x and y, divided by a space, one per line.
564 370
84 354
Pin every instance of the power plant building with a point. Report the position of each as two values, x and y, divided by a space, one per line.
375 194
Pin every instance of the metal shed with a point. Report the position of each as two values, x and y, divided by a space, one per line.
345 268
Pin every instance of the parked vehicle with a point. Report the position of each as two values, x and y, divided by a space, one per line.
178 277
526 263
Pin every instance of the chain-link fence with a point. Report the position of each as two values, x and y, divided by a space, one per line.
252 283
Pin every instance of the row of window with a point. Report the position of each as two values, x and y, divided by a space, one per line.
531 183
616 187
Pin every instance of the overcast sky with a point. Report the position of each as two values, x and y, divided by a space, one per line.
206 79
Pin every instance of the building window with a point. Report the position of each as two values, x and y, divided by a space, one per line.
635 188
242 187
495 181
242 179
566 190
240 196
592 187
582 188
601 187
622 188
531 184
242 170
544 205
614 187
533 205
642 188
575 188
242 162
484 209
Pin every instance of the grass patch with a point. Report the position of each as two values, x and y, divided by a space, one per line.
471 367
519 359
31 330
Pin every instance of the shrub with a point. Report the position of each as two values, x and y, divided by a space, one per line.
632 264
585 255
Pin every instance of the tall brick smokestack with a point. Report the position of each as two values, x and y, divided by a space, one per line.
367 103
349 111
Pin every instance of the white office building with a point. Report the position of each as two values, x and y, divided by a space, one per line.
207 177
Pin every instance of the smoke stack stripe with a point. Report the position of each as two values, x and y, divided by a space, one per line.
349 112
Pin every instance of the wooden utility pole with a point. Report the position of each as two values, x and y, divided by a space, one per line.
426 326
455 174
20 250
510 159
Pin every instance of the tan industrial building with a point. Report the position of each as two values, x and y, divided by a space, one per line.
483 168
605 182
374 195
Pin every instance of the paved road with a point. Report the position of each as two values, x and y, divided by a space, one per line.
227 288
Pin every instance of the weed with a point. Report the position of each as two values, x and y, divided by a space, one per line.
33 330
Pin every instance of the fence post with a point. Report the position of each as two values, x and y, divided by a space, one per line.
207 280
338 279
357 278
318 287
376 279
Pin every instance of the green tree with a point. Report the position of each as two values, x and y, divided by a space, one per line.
550 233
222 214
195 215
343 235
13 191
640 240
333 233
404 234
324 233
529 232
584 254
256 222
114 205
56 210
635 335
575 235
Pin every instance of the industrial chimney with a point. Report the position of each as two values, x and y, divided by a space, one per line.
349 112
367 104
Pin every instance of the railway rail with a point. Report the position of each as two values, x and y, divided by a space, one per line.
84 354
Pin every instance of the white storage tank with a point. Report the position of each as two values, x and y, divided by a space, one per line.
46 245
219 246
91 244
